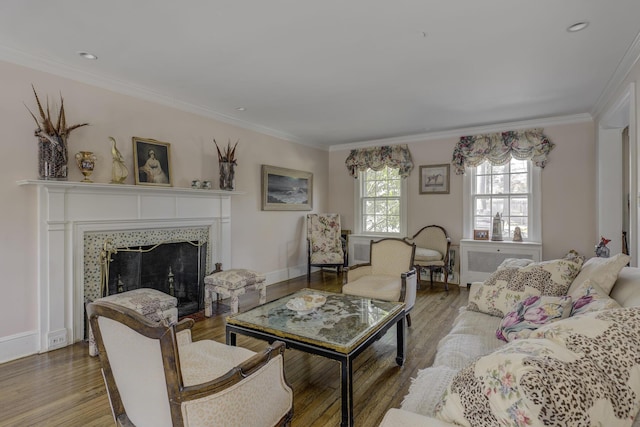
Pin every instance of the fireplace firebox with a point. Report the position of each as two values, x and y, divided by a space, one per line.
175 268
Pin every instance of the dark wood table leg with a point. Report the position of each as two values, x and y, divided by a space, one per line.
347 392
231 338
401 341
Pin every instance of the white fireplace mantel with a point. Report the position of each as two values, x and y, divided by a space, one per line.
67 210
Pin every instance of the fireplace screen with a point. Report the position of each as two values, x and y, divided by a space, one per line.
175 268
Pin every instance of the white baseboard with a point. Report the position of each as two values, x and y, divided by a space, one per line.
285 274
19 345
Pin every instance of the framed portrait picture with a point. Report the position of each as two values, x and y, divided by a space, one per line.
480 234
434 179
286 189
152 162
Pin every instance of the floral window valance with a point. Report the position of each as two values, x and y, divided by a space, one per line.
499 148
376 158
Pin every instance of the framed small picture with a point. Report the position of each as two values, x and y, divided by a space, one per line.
152 162
434 179
480 234
286 189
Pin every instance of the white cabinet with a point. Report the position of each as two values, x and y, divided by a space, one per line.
480 258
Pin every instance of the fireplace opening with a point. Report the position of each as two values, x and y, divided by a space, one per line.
175 268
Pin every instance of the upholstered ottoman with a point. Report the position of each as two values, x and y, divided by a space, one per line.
152 304
232 283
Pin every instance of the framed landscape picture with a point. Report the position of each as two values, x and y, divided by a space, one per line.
434 179
152 162
286 189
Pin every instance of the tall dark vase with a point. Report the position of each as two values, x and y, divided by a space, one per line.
52 158
227 175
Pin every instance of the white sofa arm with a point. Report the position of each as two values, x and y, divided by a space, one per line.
397 417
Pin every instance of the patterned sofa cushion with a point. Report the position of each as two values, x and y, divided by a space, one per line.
500 293
603 271
590 297
583 370
532 313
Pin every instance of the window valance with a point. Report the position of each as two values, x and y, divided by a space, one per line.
376 158
499 148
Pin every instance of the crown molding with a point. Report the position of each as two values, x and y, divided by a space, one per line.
456 133
60 69
629 60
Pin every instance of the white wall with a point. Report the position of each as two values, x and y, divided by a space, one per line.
568 213
271 242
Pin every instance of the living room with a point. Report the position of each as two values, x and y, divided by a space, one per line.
272 242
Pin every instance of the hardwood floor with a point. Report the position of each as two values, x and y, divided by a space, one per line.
64 387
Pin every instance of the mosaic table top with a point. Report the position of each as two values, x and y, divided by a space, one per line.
341 324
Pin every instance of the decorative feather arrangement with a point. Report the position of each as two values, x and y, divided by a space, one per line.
229 153
46 126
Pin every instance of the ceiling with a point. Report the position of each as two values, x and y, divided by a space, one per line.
334 72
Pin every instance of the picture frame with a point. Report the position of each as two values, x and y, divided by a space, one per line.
434 179
480 234
152 162
286 189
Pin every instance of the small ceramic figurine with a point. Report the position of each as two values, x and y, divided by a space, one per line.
517 234
602 251
119 171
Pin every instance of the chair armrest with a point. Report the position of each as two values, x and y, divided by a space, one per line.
356 271
235 375
185 324
409 288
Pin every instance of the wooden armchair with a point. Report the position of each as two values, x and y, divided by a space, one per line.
432 251
389 275
156 376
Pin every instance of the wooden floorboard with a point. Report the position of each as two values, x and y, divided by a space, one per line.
64 387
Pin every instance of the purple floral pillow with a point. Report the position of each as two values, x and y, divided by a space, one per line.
532 313
589 297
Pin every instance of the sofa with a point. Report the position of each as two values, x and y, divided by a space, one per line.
594 330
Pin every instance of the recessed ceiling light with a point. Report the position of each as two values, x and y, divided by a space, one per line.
241 109
578 26
87 55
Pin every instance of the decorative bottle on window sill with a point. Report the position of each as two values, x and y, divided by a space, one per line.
498 224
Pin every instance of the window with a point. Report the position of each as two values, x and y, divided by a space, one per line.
381 204
511 190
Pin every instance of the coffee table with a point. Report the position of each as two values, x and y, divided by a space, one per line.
341 329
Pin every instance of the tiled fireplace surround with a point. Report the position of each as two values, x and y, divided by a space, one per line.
74 218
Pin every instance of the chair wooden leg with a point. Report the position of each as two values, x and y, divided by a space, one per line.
431 275
408 320
446 279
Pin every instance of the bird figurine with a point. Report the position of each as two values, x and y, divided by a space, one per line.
602 250
119 171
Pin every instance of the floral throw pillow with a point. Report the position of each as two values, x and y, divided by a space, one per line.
499 294
589 297
603 271
532 313
580 371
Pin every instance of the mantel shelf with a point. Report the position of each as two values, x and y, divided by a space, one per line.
106 188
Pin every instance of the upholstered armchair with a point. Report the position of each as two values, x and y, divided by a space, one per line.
324 242
389 275
432 251
156 376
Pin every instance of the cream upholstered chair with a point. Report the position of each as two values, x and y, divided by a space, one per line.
389 275
324 242
432 251
156 376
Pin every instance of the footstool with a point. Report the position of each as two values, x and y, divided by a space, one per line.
232 283
151 303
